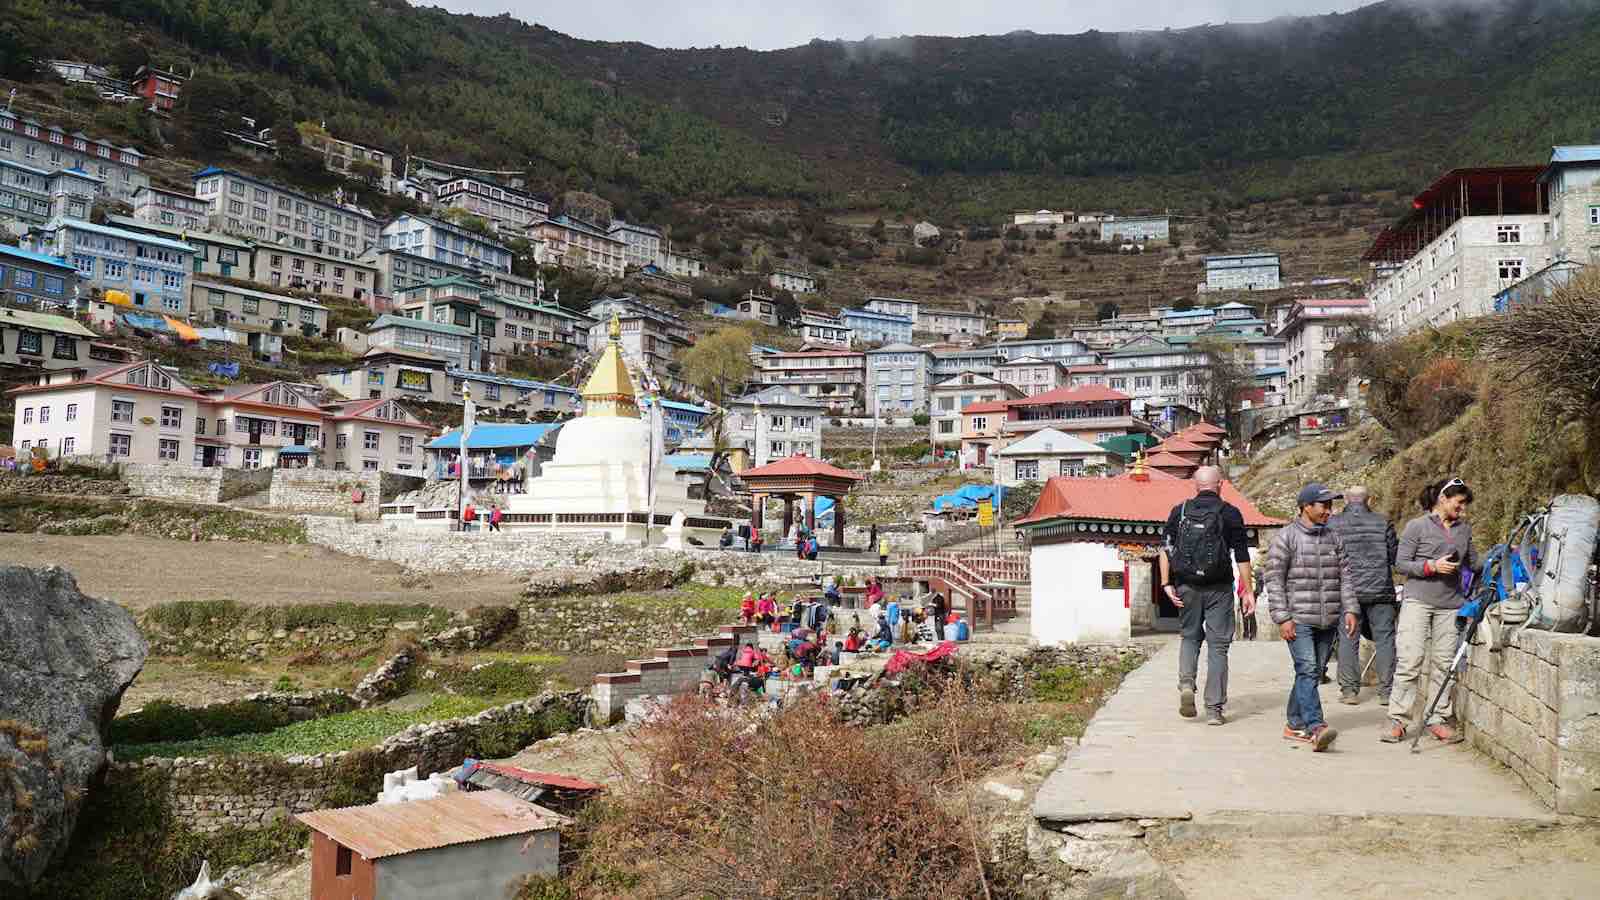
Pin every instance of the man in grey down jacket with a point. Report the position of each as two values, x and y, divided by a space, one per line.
1309 583
1370 541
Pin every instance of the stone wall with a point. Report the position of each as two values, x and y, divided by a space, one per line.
325 491
61 485
174 482
1535 706
561 561
238 483
589 626
208 794
672 670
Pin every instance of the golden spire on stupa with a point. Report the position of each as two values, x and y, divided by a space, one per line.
609 391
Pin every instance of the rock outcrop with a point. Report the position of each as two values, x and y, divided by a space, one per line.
65 660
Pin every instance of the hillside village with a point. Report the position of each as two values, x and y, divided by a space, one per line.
488 527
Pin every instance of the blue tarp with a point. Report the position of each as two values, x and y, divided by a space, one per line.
148 323
296 450
968 495
224 370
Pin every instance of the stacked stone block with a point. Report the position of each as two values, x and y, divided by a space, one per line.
1534 705
675 670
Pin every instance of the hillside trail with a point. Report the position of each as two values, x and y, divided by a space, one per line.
1236 812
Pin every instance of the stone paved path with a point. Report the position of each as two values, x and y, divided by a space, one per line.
1140 759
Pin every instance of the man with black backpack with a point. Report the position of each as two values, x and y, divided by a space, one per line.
1205 546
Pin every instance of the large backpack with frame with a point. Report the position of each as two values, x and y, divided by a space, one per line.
1199 551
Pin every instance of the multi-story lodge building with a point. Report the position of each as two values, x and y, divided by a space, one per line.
244 309
142 412
339 155
873 327
34 196
1242 272
576 243
35 280
682 265
773 423
1031 375
896 306
793 282
440 241
249 207
651 337
1312 329
834 378
214 253
158 86
51 147
505 209
389 374
952 322
1093 414
947 398
1136 228
898 376
642 243
31 341
823 330
170 208
1066 351
1467 236
1156 373
153 271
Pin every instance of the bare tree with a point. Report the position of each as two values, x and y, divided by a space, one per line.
1552 349
1223 379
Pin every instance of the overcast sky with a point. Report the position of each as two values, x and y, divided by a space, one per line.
766 25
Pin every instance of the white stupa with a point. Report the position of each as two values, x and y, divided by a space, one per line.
600 478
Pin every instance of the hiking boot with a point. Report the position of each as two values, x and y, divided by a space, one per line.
1392 732
1350 698
1322 738
1186 702
1444 733
1383 700
1215 717
1299 735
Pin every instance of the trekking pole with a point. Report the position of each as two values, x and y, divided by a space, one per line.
1473 613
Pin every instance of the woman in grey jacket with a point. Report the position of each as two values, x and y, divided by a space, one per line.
1433 549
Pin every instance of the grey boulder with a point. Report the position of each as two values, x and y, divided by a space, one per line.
65 660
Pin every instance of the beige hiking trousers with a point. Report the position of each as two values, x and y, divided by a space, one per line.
1424 634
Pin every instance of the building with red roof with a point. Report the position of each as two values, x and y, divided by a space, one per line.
1094 547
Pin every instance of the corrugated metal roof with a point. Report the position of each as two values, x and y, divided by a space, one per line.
43 258
490 436
1576 153
392 829
45 322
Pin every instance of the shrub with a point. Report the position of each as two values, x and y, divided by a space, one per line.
919 419
724 810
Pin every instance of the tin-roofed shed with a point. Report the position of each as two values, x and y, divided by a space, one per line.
459 846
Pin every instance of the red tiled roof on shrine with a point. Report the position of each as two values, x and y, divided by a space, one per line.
799 466
1176 444
1208 428
1161 459
1126 500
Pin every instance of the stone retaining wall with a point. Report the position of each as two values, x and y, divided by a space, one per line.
173 482
61 485
208 794
673 670
1535 706
324 490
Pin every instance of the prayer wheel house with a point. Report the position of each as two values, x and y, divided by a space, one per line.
1094 546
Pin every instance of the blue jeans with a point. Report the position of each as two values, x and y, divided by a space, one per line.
1310 650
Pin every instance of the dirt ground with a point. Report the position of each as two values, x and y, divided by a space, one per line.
1246 857
139 572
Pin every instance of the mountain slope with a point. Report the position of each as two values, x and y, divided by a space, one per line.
1380 97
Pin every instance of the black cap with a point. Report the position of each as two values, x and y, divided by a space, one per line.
1316 493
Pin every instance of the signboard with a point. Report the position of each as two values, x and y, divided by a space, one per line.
1112 581
413 381
985 513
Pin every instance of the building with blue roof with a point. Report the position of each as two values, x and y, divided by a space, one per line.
493 449
153 271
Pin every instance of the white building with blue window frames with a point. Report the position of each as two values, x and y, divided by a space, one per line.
153 271
35 280
874 327
442 242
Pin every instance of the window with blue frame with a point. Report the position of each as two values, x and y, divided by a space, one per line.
115 270
23 279
54 285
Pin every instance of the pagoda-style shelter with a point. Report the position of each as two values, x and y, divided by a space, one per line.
799 478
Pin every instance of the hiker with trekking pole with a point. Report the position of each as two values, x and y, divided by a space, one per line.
1370 540
1434 549
1310 593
